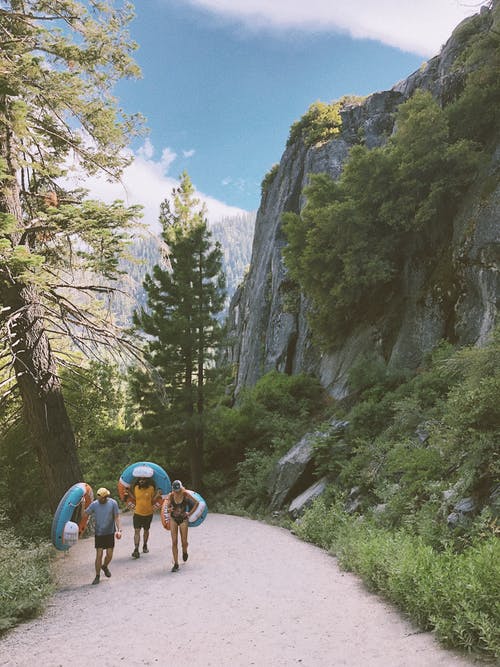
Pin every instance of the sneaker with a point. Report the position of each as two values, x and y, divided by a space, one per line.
145 549
175 567
106 571
136 554
96 580
185 556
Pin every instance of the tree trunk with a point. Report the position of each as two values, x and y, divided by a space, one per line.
48 423
200 408
44 410
198 436
195 465
192 427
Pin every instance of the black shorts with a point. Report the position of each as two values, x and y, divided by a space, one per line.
105 541
142 521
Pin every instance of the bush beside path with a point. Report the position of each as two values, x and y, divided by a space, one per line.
250 594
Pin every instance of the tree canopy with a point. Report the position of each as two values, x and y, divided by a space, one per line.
59 62
184 298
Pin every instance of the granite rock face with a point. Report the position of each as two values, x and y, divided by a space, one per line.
268 321
306 499
293 474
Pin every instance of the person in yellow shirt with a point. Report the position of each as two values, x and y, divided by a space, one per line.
145 493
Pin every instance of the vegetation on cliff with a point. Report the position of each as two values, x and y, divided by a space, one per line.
268 179
348 246
321 122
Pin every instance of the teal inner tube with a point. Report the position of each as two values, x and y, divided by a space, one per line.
201 511
69 509
160 479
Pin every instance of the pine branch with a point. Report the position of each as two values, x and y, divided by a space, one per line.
10 422
111 337
8 393
90 288
27 17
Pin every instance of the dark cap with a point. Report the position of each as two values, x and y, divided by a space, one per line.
177 485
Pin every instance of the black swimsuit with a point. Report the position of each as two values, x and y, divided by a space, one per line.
178 511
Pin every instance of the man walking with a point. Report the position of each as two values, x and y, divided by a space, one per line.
107 526
145 495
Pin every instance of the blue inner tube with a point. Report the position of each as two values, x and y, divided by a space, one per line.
200 518
68 505
160 478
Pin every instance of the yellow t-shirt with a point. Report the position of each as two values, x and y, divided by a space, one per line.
144 500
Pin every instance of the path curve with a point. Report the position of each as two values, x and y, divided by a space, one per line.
250 594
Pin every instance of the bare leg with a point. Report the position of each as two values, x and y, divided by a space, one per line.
184 539
98 561
173 533
109 556
137 537
145 538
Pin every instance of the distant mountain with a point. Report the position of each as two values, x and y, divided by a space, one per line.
235 234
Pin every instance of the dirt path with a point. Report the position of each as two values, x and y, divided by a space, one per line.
250 594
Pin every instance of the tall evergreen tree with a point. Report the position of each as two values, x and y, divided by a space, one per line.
59 60
183 300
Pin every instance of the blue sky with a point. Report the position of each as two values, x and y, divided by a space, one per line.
223 80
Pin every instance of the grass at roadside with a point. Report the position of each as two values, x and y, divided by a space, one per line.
25 579
452 594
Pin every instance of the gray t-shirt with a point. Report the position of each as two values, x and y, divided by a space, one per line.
105 514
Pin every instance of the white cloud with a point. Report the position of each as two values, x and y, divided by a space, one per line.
418 26
147 150
189 153
167 157
239 184
145 182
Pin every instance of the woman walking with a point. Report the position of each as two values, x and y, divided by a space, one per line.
180 505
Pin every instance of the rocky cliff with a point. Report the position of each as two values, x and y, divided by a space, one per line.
268 321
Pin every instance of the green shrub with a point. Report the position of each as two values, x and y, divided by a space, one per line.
467 606
266 419
34 527
481 61
411 438
253 474
289 395
453 594
25 579
321 523
246 441
369 370
371 416
320 123
229 432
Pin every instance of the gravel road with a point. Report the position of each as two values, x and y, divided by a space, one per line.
250 594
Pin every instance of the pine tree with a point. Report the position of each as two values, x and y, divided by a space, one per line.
59 61
183 300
